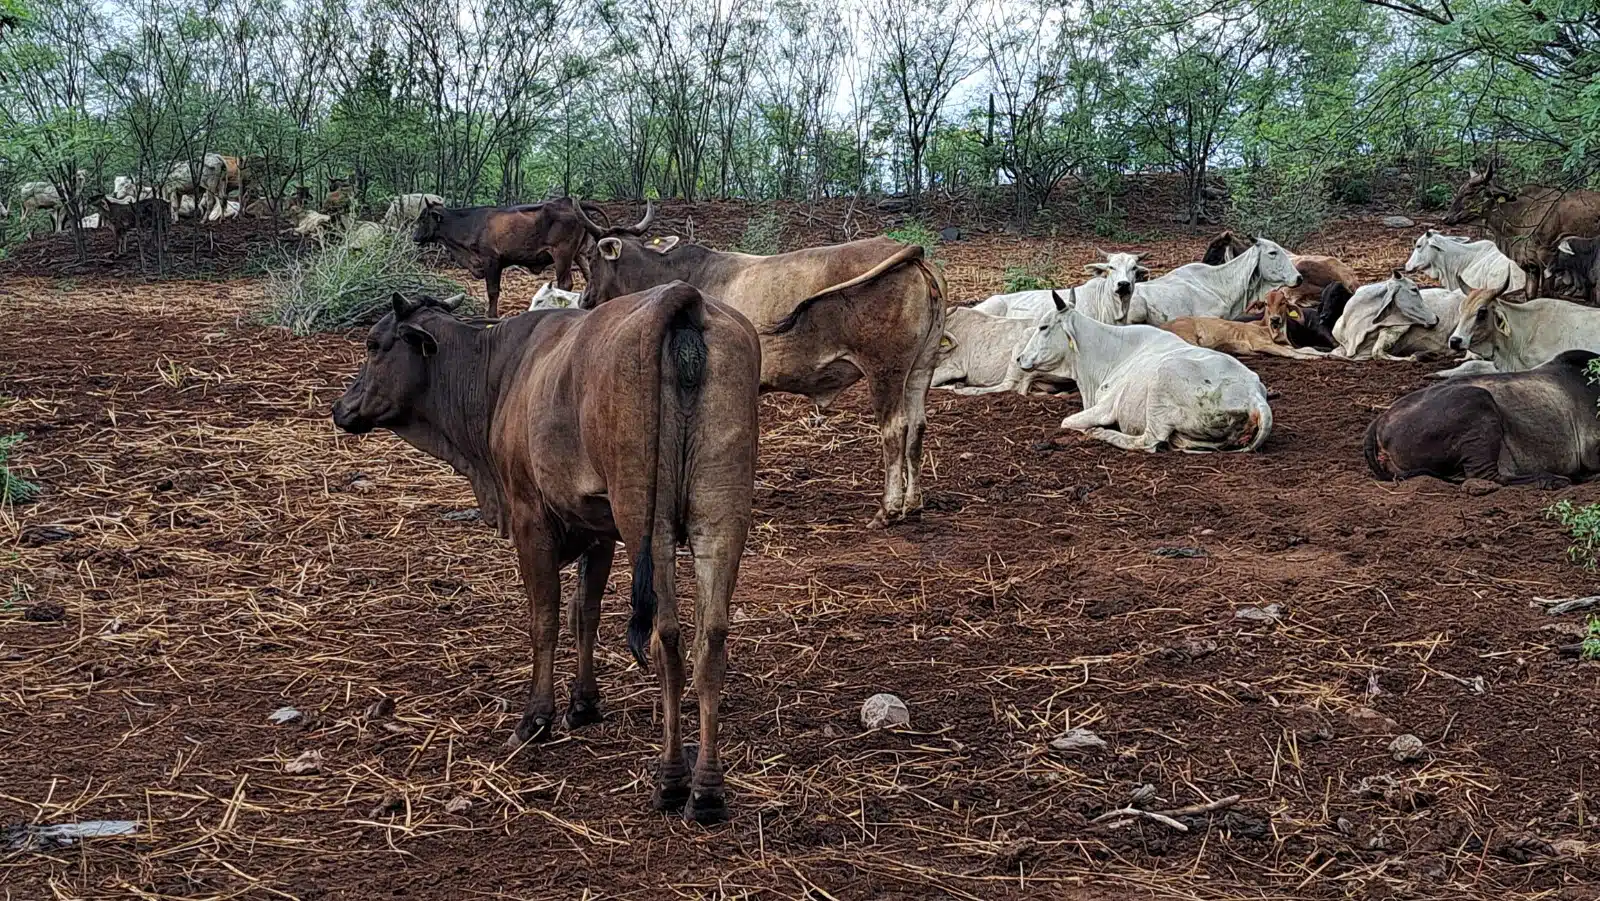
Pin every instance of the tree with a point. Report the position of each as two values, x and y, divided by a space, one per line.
926 49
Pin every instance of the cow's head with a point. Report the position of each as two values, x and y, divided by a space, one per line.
1425 253
1273 265
1402 293
623 261
1476 198
1481 320
426 231
1225 247
1121 271
394 378
1280 311
1053 346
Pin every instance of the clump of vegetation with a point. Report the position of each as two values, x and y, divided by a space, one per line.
1355 190
1285 205
343 286
1037 274
1591 641
915 231
1434 197
763 235
1582 523
13 488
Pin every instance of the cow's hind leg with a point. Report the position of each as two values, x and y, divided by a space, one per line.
918 384
716 569
541 578
672 779
1147 442
888 407
583 618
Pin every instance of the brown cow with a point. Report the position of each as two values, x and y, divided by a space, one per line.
1527 225
487 239
634 423
1317 271
132 216
828 316
1268 335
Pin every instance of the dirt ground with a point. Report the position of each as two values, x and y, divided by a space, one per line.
220 551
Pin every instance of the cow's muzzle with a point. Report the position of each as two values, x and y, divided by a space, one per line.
1456 343
1124 290
348 420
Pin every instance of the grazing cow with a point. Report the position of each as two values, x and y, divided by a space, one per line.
487 239
549 297
1527 225
1151 387
1461 264
635 423
1533 427
1105 297
978 353
129 217
405 208
1393 320
1317 272
42 196
219 175
1579 257
828 317
1222 292
1514 337
1267 335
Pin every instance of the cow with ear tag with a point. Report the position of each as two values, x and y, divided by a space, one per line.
1147 389
633 423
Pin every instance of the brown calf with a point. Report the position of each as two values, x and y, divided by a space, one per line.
1268 335
634 423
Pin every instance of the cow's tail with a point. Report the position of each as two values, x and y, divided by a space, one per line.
680 366
900 257
1374 454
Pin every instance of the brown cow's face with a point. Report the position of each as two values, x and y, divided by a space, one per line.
623 264
1475 198
394 377
427 227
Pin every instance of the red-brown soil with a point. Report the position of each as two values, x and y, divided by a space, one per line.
231 554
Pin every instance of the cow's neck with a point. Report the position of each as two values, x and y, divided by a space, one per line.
1454 258
1243 283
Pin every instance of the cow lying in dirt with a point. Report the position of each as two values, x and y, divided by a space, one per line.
978 353
1267 335
1106 297
1153 388
1394 320
1537 426
633 423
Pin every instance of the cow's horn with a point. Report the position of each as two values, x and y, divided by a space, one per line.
403 305
450 303
649 217
589 224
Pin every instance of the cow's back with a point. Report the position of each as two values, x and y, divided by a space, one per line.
766 289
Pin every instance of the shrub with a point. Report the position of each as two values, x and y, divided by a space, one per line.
1591 640
342 286
914 231
1037 274
1355 190
1434 197
13 488
1583 525
1285 204
763 235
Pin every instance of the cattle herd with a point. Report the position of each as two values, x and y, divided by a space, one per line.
633 416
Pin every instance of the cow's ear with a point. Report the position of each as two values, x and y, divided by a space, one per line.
1096 269
419 339
662 244
1501 325
947 342
1141 273
610 248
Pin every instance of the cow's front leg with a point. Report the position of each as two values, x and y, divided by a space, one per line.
1097 415
583 618
491 280
1147 442
541 579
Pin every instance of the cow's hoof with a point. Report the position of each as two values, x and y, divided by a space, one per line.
583 713
879 520
707 807
670 798
533 728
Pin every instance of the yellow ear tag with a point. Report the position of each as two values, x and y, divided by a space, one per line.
1072 344
946 344
1294 314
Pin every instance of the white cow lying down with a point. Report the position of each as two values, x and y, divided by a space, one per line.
1393 320
1222 292
1105 297
1153 387
978 353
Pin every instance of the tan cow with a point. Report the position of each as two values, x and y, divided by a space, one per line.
634 423
828 317
1267 335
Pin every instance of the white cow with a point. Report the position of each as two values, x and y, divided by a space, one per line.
1151 387
978 353
1515 337
549 297
42 196
1461 264
406 208
182 184
1105 297
125 189
1222 292
1394 320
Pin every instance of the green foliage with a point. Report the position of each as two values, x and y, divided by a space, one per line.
13 488
1590 650
763 234
1285 205
1355 190
1037 274
1582 523
1434 197
915 231
348 284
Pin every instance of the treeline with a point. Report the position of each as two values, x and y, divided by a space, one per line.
1302 101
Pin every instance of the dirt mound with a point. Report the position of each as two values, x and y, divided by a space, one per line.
231 247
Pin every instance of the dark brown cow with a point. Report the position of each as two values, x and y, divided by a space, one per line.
634 423
124 218
828 316
486 240
1579 257
1536 426
1526 225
